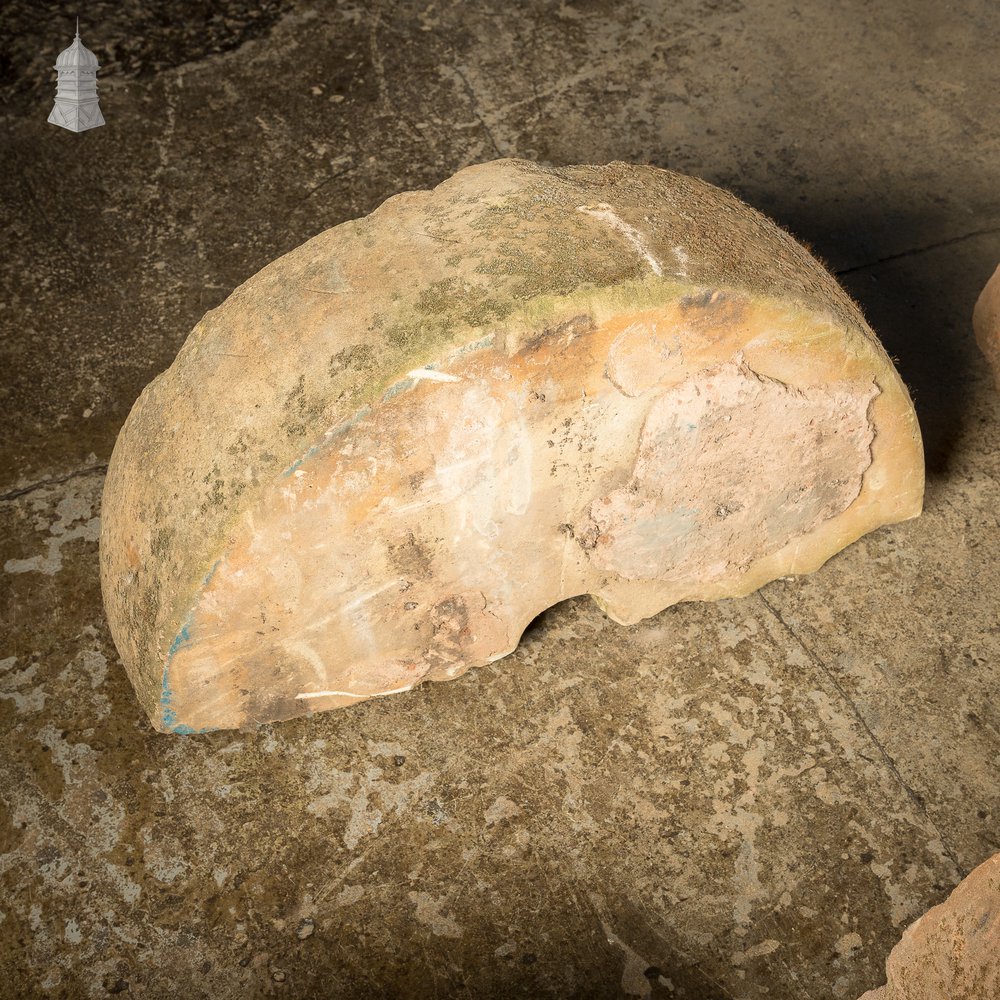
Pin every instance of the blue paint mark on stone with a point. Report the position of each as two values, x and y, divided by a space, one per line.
182 637
476 346
336 432
168 715
309 454
401 386
348 424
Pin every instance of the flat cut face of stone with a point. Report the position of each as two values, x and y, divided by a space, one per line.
423 536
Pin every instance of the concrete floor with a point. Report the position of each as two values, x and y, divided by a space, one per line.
746 799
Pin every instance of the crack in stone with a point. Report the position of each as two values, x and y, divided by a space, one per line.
91 470
914 797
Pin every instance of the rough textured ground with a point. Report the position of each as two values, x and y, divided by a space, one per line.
748 799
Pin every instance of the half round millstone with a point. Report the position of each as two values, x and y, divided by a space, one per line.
388 451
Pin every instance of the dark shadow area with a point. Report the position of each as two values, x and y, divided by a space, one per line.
929 344
535 628
918 298
916 292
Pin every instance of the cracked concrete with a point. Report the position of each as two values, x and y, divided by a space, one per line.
20 491
918 250
745 799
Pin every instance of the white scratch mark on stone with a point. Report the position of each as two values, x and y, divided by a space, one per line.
757 951
445 470
351 694
415 505
519 470
682 259
369 594
433 376
303 648
604 212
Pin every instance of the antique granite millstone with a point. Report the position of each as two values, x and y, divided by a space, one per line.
393 447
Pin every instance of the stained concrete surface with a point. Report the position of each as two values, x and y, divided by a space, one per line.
743 799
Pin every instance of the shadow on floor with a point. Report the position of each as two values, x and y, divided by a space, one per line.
919 301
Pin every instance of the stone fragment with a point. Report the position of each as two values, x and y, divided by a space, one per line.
391 449
986 323
952 952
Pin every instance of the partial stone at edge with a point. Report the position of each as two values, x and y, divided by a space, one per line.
952 952
986 323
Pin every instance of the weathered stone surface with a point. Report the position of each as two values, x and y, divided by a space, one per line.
986 323
953 951
392 448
